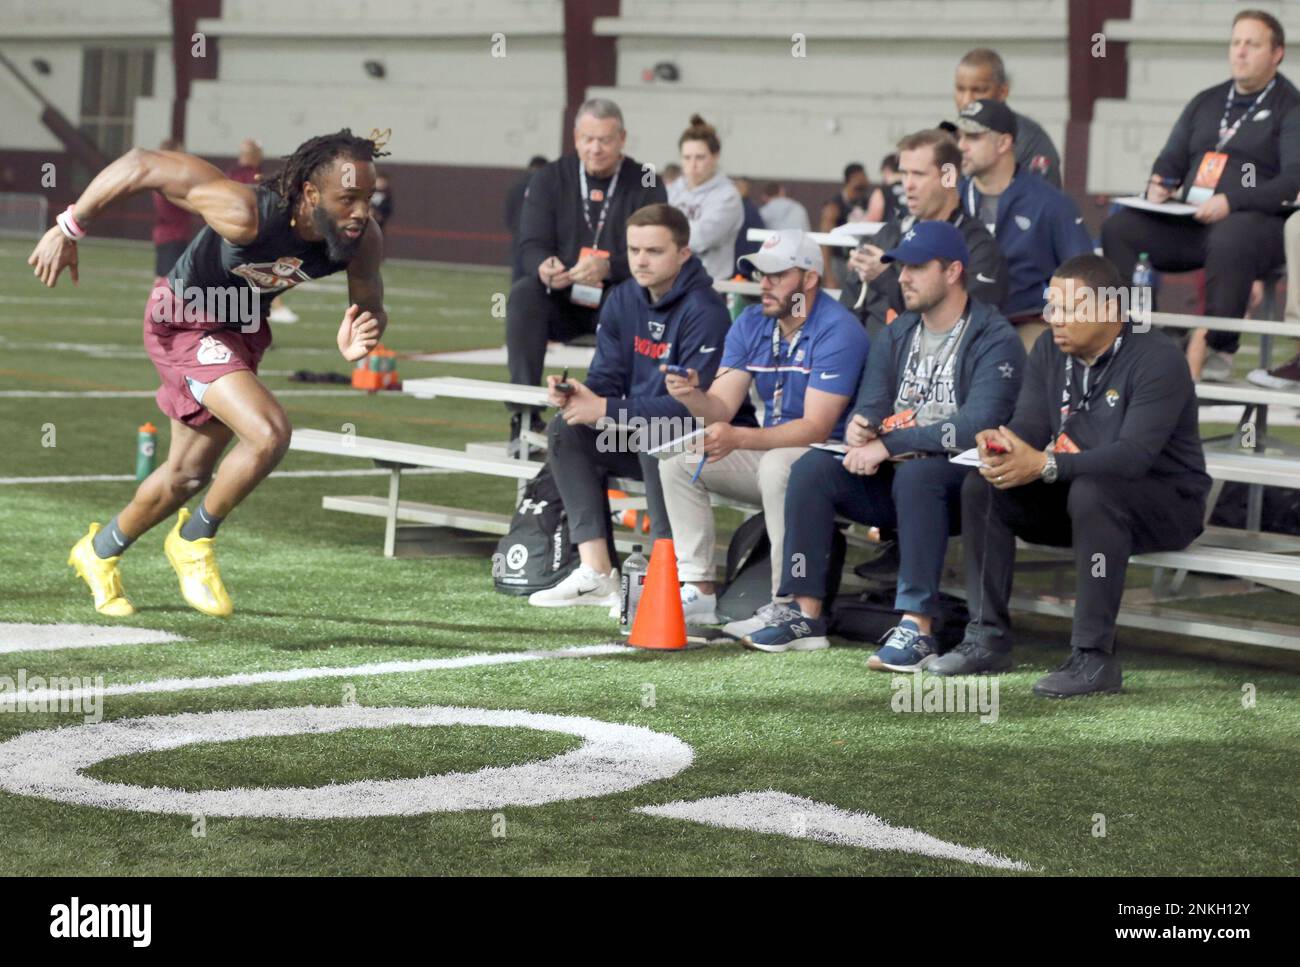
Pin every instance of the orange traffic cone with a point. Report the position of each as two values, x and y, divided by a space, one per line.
659 619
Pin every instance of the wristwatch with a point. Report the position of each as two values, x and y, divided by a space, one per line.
1049 469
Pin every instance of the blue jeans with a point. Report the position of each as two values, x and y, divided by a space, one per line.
920 498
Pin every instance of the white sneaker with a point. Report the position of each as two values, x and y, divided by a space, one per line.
747 626
697 607
584 586
1217 367
283 314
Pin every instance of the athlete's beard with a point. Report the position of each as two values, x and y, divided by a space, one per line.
340 247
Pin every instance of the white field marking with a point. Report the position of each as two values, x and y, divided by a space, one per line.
305 474
612 759
19 636
139 394
167 685
800 818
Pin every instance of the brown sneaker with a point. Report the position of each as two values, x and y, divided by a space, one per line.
1286 376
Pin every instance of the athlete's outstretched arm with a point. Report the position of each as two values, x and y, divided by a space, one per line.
365 321
190 182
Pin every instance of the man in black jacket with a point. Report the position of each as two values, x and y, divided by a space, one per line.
572 238
1102 455
1235 152
515 212
930 164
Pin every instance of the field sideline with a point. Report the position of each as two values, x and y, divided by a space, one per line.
1188 780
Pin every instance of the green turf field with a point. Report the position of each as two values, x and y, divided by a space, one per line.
1188 779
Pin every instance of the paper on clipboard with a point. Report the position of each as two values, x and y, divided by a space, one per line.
858 229
1179 208
673 447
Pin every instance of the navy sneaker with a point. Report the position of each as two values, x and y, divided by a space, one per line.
905 649
789 629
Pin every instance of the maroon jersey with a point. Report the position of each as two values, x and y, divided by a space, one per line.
244 174
171 223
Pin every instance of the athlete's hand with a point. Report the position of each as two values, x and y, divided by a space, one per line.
54 253
358 333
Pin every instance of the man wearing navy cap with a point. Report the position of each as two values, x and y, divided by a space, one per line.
943 369
1036 225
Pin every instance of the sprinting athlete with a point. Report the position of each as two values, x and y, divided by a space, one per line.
205 329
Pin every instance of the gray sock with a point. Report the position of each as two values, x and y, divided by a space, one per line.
201 525
110 542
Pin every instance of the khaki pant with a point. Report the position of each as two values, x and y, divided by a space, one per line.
757 476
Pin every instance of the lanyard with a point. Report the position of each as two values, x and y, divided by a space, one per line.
920 394
1226 133
1067 410
604 209
776 362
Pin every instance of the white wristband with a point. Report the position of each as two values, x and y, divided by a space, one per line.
68 224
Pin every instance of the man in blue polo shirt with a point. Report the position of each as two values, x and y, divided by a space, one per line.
1036 225
804 353
941 370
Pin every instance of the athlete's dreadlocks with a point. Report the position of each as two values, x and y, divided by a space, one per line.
316 153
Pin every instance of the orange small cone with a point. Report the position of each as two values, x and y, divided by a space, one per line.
659 619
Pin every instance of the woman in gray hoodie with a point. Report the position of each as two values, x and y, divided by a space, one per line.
708 199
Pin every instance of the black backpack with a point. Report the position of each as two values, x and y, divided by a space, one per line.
749 570
535 553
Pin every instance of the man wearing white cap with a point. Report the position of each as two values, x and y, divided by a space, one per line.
804 354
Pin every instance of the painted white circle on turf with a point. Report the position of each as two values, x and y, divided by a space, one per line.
613 758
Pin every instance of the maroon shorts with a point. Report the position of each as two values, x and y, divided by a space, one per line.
200 350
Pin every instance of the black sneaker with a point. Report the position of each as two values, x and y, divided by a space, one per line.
1085 672
971 658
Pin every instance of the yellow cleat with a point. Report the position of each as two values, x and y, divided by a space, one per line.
195 563
101 574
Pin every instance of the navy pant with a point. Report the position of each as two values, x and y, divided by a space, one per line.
919 498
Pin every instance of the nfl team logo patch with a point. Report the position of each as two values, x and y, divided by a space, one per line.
213 352
657 329
1112 397
1023 222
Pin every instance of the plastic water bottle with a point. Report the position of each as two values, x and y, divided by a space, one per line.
632 583
146 448
1140 303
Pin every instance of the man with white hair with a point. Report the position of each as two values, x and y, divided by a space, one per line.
572 241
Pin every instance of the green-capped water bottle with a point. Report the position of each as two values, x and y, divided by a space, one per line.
146 450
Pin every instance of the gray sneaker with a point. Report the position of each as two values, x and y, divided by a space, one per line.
1217 368
970 658
747 626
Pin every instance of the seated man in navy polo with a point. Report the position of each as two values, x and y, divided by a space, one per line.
945 368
